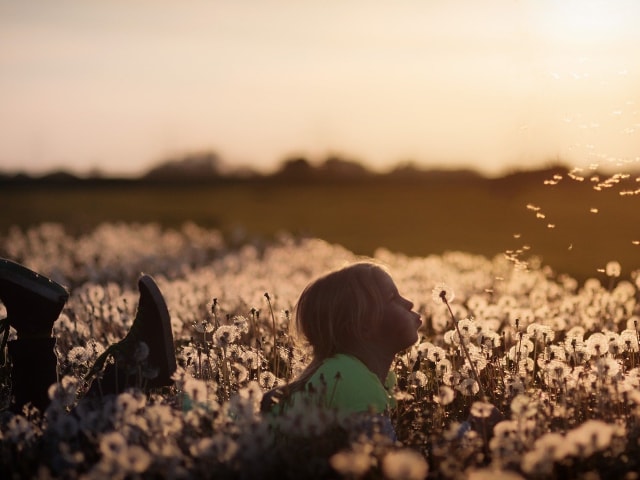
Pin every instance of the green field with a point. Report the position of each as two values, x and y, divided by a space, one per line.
412 217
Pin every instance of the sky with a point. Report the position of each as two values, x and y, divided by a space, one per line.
120 85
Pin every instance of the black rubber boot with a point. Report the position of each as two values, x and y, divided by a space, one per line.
33 370
33 301
145 358
33 304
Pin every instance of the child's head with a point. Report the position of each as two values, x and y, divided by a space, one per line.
342 308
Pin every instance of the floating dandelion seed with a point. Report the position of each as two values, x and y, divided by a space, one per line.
593 210
613 269
540 215
516 235
551 225
635 242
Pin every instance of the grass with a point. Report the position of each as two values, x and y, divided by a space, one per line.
415 218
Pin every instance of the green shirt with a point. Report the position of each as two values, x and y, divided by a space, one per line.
355 389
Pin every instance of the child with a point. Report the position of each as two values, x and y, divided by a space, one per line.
356 321
34 302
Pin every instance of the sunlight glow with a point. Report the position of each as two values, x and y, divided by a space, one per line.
121 85
586 21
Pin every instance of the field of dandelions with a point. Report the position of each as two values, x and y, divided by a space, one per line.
560 362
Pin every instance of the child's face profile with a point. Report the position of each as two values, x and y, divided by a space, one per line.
399 327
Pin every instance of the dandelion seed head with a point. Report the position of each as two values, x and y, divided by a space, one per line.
443 367
78 355
112 444
64 392
493 474
134 459
444 396
597 344
351 463
629 340
607 367
435 354
196 390
523 406
514 386
592 436
482 409
225 335
468 387
203 326
241 323
441 293
127 403
404 464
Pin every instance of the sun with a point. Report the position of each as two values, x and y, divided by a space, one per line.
587 21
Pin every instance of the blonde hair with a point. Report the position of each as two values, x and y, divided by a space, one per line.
335 311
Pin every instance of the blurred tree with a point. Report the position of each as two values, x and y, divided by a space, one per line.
201 165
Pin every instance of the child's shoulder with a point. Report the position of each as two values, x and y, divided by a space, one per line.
348 384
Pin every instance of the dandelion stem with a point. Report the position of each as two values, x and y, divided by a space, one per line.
443 296
275 335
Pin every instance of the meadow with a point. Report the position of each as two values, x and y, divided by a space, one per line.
543 280
559 359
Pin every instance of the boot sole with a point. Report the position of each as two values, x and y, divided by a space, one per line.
147 283
21 276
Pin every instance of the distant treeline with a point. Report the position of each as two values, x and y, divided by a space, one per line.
207 167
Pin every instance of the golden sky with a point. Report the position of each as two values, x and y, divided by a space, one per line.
120 85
